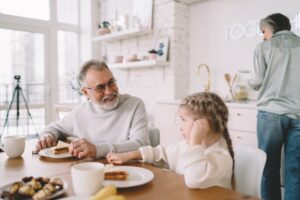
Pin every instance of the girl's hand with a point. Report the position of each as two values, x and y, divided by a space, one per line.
199 131
118 158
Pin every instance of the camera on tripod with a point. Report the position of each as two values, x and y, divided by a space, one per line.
17 77
17 94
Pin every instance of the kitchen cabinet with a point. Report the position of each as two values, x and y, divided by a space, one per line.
242 123
242 127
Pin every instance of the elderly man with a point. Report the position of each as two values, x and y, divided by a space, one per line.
107 122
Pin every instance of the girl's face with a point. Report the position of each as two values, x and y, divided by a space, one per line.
186 122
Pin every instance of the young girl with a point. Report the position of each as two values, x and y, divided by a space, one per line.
205 157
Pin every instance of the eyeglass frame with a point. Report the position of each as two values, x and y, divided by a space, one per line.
102 87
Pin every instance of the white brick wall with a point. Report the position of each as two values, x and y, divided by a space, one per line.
169 19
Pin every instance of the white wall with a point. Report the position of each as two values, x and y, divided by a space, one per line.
170 19
208 21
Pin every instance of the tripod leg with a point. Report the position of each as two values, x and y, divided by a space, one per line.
9 108
18 106
27 108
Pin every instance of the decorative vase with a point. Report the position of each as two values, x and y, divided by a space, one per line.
103 31
152 56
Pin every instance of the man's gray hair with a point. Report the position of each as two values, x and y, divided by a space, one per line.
91 64
277 22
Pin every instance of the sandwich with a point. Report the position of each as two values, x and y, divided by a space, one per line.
113 173
60 148
119 175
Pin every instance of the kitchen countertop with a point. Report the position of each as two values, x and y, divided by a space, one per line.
235 104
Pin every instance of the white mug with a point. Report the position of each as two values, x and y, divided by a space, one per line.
13 146
87 177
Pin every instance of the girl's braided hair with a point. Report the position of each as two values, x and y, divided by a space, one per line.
211 107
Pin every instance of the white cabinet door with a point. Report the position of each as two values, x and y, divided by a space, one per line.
242 119
243 138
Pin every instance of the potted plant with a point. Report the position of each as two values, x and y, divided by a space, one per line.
104 28
152 54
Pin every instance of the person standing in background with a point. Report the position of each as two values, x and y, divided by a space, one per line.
276 76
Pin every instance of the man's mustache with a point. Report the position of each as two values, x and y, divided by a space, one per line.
110 96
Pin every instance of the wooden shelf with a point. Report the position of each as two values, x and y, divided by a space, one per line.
138 64
120 35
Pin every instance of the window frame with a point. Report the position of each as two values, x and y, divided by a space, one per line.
50 29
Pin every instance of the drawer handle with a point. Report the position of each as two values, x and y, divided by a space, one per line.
239 114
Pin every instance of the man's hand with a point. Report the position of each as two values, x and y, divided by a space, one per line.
44 142
82 148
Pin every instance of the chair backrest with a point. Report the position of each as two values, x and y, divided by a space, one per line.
154 136
249 166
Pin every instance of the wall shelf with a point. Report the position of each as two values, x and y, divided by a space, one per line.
120 35
138 64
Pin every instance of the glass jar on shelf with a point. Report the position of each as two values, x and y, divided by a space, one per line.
241 88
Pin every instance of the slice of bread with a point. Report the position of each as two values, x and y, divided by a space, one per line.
60 150
61 147
116 175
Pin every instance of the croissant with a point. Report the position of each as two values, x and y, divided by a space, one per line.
57 182
43 180
36 185
50 187
26 190
15 187
42 194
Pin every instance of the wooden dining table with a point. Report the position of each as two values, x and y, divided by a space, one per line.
165 184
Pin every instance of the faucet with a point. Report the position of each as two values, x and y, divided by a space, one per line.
207 85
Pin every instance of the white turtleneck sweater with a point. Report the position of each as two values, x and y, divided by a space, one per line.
202 168
122 129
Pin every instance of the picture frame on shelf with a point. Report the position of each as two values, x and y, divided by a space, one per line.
162 48
142 14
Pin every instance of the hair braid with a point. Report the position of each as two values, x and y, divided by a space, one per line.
213 108
229 146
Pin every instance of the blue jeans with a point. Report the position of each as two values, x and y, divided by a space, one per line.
274 131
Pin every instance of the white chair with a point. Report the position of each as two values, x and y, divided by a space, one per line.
249 166
154 136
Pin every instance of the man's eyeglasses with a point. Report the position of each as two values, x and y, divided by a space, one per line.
101 88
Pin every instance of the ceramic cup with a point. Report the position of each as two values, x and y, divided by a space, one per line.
118 59
13 146
87 177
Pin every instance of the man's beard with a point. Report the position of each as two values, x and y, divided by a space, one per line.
109 105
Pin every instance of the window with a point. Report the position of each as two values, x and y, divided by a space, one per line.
36 9
70 17
44 61
21 63
68 66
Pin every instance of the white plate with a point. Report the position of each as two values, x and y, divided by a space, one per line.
75 198
49 153
56 194
136 176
